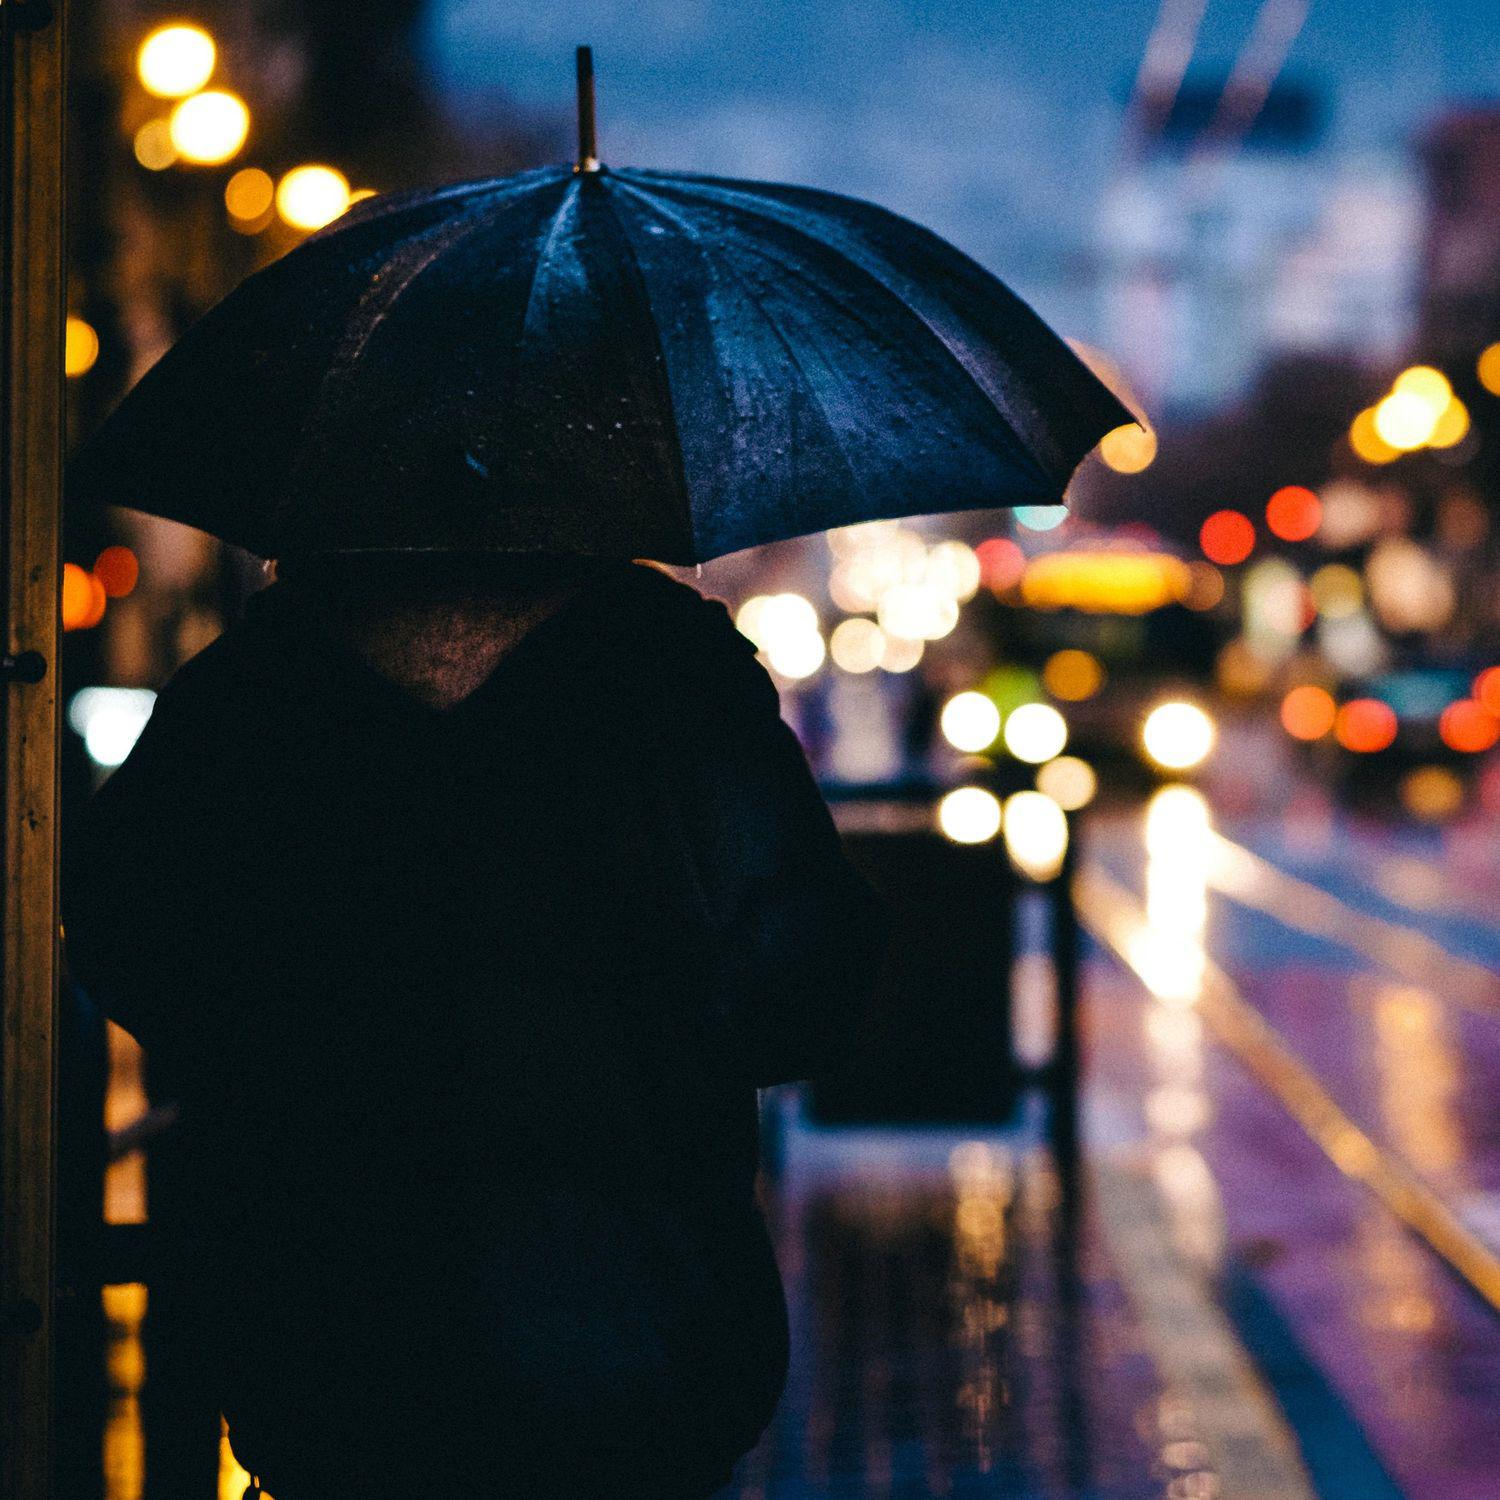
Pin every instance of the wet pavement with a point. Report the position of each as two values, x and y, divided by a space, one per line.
1286 1275
1283 1277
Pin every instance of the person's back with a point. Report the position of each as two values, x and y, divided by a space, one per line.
466 992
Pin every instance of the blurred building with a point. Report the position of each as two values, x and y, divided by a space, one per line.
1461 270
1229 238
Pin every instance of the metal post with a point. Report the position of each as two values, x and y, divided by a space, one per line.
31 413
1067 1060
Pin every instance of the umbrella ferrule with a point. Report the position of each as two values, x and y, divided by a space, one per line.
588 158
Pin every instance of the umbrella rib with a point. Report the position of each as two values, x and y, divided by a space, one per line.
679 463
754 207
715 268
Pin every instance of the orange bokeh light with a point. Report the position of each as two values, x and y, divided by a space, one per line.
1227 537
1294 513
1365 725
1001 563
1487 689
1308 712
77 597
117 569
1468 727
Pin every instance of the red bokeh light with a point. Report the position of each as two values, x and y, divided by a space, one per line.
1227 537
1001 563
1294 513
1468 727
117 569
1487 689
1365 725
1308 712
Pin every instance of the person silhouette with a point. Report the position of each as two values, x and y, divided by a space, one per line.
463 903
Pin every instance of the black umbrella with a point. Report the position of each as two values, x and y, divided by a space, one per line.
606 361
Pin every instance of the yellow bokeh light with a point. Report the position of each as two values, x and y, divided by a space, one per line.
970 722
1178 736
175 60
1072 675
1036 834
249 194
359 195
1432 793
969 815
153 146
1452 426
900 655
1337 591
1035 732
1068 781
1365 439
310 197
857 645
1405 420
1427 384
1489 369
1128 449
210 127
80 347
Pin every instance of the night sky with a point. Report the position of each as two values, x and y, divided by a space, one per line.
994 123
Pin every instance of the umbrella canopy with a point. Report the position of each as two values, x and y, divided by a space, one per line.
615 362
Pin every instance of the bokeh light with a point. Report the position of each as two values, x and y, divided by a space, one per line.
900 655
175 60
1036 834
80 347
110 720
970 722
1035 732
1337 591
1073 675
117 570
1487 689
83 598
1001 563
249 195
969 815
1365 725
1366 441
1308 712
1227 537
1468 727
1488 369
153 146
857 645
1205 588
1432 793
1041 517
311 196
1178 736
210 127
1128 449
1068 781
1427 384
1405 420
1293 513
1452 427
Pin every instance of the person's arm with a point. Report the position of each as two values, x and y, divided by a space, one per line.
795 936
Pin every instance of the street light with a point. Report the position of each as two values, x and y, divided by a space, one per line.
175 61
210 127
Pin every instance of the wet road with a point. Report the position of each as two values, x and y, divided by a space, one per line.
1287 1279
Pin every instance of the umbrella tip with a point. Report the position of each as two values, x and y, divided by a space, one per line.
588 159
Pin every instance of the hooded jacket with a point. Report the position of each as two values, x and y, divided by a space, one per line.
465 1010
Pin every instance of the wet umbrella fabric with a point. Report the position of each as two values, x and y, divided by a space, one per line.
615 362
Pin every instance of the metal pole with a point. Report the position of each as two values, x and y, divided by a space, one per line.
31 421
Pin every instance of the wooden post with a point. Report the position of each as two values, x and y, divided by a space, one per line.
31 424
